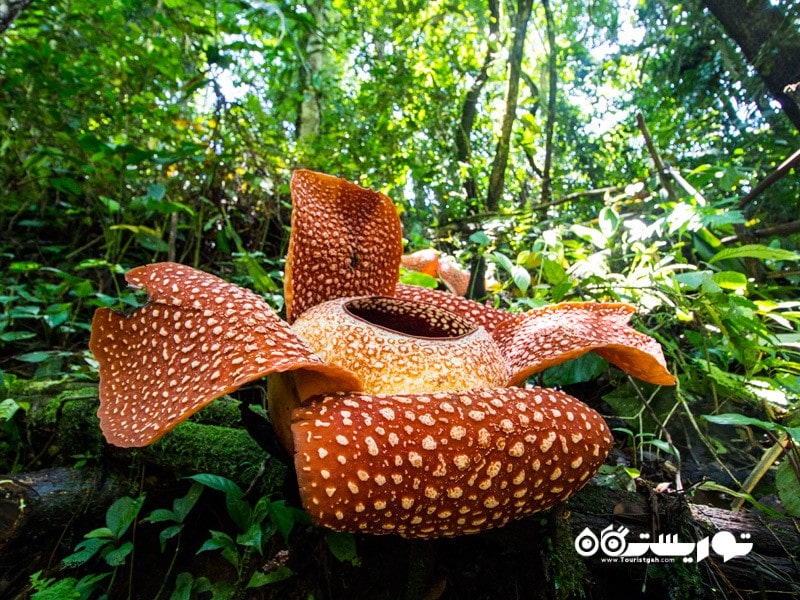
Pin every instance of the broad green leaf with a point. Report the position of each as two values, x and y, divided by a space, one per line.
182 506
8 408
167 534
122 513
608 221
713 486
259 579
755 251
503 261
788 487
222 541
343 546
283 516
480 237
184 583
35 357
219 483
16 336
156 191
420 279
584 368
594 236
521 277
84 551
730 280
553 272
117 557
160 515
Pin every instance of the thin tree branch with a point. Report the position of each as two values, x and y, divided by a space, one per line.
777 174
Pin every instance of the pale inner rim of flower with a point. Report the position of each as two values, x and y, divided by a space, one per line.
412 319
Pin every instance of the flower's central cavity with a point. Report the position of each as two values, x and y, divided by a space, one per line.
409 318
398 346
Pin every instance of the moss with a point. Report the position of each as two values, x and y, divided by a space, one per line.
223 411
61 418
567 569
196 448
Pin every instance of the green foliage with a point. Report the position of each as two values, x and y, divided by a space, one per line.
109 541
137 132
255 524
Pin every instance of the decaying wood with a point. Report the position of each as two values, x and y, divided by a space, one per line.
36 503
771 567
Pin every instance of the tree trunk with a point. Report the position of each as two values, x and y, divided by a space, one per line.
768 36
310 115
552 70
498 174
470 106
9 10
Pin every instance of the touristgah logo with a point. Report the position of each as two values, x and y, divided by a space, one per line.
614 545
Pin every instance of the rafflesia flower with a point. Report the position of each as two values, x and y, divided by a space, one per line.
404 407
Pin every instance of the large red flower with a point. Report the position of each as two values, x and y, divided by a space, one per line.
402 405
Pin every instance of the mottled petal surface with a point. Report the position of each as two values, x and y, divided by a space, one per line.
433 465
198 338
346 241
551 335
486 316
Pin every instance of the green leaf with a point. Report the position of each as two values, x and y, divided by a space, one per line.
253 537
100 532
480 237
590 235
584 368
161 515
713 486
35 357
83 552
343 546
238 509
755 251
167 534
283 516
608 220
521 277
503 261
420 279
259 579
184 583
182 506
8 408
156 191
66 184
730 280
788 487
122 513
16 336
222 541
553 272
219 483
117 556
741 420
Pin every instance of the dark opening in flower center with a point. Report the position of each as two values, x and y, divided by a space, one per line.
409 318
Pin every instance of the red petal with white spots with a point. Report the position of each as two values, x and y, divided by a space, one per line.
346 241
198 338
551 335
444 464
